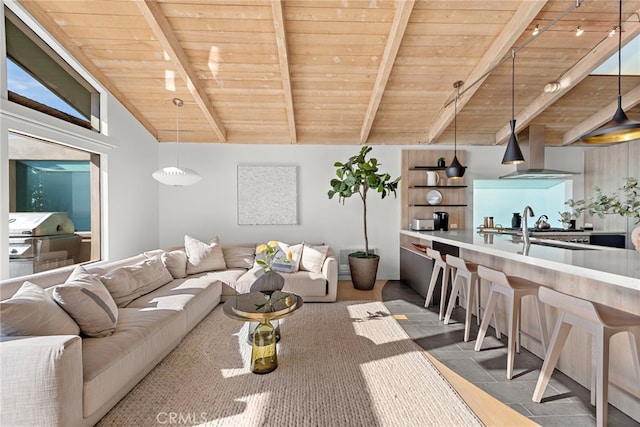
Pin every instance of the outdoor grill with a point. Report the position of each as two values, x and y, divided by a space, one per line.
40 241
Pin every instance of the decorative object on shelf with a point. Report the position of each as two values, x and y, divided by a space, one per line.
175 175
434 197
568 220
516 220
625 202
357 176
513 154
441 162
433 178
455 169
620 128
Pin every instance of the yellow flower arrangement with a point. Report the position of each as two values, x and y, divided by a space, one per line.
271 250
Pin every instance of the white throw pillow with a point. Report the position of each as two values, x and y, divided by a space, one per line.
176 263
202 256
313 258
239 256
130 282
293 265
31 311
88 302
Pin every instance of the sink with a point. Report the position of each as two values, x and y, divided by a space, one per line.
566 245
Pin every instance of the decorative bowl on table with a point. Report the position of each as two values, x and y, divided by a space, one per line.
434 197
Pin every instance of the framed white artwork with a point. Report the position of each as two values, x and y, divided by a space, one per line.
267 195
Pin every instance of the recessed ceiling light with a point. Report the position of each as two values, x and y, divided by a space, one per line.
536 30
579 31
612 32
552 87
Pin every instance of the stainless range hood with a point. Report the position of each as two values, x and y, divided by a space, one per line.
532 146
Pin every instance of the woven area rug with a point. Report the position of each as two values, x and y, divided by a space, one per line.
339 364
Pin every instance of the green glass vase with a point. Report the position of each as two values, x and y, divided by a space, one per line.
263 351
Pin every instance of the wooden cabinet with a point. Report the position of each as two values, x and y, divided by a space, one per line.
414 188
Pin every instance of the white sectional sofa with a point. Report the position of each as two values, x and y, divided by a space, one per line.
74 380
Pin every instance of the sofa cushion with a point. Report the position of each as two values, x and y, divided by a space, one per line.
88 302
176 263
142 338
129 282
313 257
33 312
239 256
306 283
202 256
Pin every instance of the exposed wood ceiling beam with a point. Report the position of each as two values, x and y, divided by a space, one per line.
398 27
571 78
158 22
629 100
502 45
43 18
281 41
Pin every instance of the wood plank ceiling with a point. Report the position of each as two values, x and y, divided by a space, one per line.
349 71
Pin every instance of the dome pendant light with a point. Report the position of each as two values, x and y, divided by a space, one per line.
513 155
620 128
175 175
455 170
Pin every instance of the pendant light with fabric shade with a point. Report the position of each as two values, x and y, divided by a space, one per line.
175 175
620 128
513 155
455 170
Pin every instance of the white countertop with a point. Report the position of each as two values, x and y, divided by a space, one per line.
616 266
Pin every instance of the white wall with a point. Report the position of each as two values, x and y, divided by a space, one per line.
209 207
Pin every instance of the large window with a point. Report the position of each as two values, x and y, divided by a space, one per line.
38 78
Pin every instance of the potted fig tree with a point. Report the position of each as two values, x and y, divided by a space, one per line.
358 175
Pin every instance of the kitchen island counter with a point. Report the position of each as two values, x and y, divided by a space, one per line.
619 267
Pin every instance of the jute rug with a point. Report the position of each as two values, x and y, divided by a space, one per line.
339 364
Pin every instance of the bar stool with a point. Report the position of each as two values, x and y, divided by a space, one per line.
602 323
438 266
514 289
466 281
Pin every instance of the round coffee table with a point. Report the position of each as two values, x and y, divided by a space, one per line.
263 307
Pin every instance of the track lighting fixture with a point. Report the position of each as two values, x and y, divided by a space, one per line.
536 30
579 31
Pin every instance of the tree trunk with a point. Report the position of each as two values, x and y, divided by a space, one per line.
364 205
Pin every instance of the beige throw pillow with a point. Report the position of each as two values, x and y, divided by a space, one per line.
313 258
88 302
31 311
176 263
128 283
239 256
202 256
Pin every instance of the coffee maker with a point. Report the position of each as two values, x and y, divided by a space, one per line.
441 221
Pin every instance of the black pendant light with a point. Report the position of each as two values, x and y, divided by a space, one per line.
513 155
455 170
620 128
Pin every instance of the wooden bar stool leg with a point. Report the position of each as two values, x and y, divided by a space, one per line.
602 371
488 312
455 290
514 310
542 322
432 285
443 293
558 338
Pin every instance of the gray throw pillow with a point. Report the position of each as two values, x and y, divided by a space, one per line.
176 263
31 311
89 302
239 256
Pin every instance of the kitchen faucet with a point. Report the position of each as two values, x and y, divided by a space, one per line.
525 231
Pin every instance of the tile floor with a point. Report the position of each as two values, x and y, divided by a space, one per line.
566 402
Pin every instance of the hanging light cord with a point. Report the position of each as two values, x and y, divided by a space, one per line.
513 84
619 51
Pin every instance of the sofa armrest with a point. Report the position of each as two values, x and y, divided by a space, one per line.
41 381
330 271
